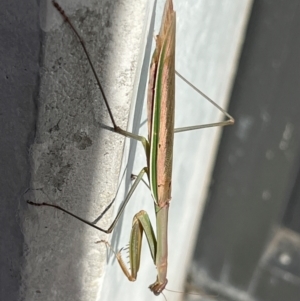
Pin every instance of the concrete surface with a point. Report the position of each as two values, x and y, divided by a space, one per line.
19 81
73 159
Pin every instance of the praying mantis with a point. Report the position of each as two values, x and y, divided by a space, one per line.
160 185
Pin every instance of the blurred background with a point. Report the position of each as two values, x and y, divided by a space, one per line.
248 246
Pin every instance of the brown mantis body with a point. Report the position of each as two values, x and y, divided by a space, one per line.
159 153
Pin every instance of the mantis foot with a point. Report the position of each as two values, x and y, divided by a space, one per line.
157 287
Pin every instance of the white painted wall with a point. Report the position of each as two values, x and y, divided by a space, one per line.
209 38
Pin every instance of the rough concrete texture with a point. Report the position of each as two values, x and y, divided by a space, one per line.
74 160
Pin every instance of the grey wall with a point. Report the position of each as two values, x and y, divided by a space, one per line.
74 160
19 67
243 241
